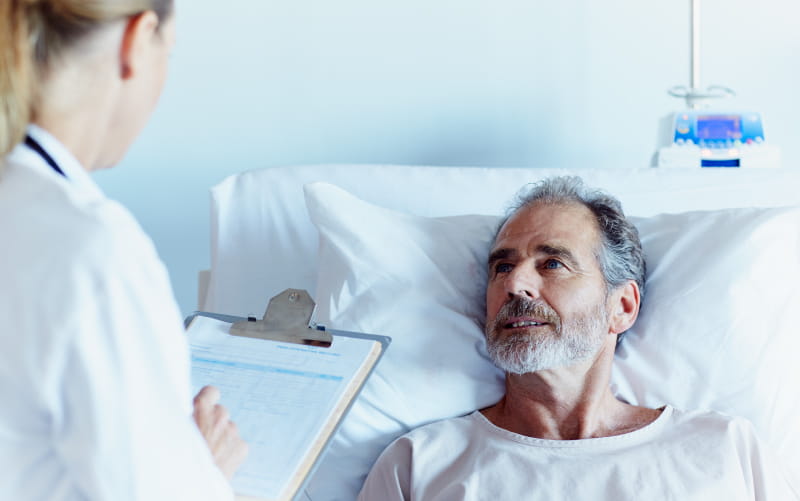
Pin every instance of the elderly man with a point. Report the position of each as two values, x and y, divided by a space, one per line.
566 275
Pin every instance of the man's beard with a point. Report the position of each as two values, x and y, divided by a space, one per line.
557 345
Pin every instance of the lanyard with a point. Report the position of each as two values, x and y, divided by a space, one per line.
32 144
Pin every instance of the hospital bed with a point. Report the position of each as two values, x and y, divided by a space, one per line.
400 251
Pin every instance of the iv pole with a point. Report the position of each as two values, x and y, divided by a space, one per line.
694 37
696 97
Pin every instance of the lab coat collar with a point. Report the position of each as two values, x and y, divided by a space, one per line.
76 175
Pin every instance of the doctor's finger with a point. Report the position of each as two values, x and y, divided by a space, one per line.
230 450
207 397
209 416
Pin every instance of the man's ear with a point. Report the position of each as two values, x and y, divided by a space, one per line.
623 306
136 40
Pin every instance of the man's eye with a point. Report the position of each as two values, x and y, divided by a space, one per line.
552 264
503 268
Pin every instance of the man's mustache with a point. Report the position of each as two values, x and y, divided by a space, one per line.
521 306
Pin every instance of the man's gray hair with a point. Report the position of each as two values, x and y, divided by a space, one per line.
620 255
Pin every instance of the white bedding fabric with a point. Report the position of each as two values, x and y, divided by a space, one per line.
263 242
717 329
686 456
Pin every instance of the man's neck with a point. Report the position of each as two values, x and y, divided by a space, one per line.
567 403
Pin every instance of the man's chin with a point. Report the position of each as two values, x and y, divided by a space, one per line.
520 359
522 356
528 367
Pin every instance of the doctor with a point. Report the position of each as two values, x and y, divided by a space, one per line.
94 373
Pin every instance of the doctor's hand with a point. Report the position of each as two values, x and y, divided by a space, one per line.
220 433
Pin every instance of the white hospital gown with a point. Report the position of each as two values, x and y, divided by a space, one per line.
681 456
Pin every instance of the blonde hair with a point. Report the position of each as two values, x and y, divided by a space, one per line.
33 33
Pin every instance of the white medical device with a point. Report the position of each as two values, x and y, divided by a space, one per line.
702 137
706 138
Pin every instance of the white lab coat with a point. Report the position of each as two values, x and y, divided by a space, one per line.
95 398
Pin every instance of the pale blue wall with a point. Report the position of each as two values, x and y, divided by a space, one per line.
258 83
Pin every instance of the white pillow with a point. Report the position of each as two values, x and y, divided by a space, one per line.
716 330
261 212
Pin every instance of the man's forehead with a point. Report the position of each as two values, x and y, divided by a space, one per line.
544 217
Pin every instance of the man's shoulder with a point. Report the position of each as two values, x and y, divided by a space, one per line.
709 427
444 427
709 420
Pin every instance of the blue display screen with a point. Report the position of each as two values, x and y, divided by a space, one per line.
719 127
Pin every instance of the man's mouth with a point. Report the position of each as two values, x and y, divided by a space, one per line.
523 323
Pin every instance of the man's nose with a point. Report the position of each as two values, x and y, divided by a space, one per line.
523 281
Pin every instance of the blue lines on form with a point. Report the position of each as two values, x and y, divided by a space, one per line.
267 368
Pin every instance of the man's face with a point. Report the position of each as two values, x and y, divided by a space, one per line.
546 297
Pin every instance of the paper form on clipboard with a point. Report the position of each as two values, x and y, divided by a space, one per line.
286 399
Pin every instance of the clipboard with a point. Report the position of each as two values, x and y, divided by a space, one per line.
288 384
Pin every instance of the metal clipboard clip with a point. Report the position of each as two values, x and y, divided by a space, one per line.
288 319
